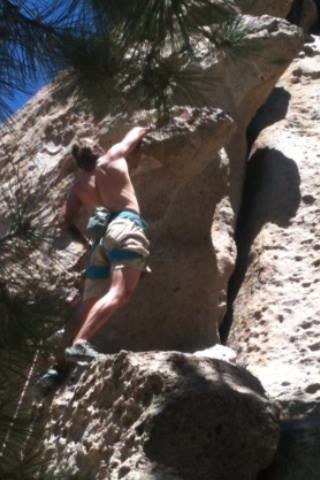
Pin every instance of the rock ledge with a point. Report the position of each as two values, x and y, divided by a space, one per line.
167 415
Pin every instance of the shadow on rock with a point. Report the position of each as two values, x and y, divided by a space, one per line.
271 195
298 439
274 110
197 435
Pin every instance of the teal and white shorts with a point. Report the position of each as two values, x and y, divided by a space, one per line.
124 244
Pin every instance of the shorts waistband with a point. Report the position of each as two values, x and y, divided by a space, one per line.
131 215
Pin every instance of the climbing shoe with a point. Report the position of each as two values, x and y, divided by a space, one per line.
81 351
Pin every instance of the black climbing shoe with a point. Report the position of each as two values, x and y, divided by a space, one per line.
53 378
81 351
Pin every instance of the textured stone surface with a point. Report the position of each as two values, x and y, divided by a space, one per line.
276 312
184 188
276 8
219 352
167 416
209 200
277 309
247 89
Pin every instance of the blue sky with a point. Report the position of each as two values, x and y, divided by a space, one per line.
20 98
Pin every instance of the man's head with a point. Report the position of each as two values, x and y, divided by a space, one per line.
86 153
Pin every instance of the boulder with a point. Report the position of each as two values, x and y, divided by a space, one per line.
157 415
189 195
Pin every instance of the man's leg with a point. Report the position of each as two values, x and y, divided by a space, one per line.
123 283
73 326
57 374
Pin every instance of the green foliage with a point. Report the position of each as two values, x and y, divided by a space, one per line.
232 34
26 233
25 467
232 37
140 45
28 43
103 43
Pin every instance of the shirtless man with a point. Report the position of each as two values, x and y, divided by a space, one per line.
120 254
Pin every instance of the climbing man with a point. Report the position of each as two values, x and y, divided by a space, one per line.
120 250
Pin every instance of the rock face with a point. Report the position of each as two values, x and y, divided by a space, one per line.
275 8
185 189
167 416
175 416
281 237
276 312
269 7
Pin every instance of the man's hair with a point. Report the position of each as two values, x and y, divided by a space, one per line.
86 153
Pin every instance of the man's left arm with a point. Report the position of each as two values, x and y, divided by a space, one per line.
71 209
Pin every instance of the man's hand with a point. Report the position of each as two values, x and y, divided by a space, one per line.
66 218
72 230
149 128
144 133
131 142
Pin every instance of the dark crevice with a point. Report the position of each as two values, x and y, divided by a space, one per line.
271 178
296 436
271 193
297 11
274 110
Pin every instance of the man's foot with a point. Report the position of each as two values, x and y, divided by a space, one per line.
81 351
53 378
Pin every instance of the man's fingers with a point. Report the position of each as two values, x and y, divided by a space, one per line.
149 128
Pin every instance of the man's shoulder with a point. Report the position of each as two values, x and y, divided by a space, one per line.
103 160
110 161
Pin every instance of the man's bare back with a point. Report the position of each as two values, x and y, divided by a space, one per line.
109 185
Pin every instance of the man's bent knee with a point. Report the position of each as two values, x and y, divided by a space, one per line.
116 300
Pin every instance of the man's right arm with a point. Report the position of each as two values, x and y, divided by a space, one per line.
131 141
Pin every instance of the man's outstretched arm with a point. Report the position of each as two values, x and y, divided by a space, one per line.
129 143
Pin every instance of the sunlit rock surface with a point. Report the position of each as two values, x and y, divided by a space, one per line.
276 8
184 188
167 416
163 416
276 312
